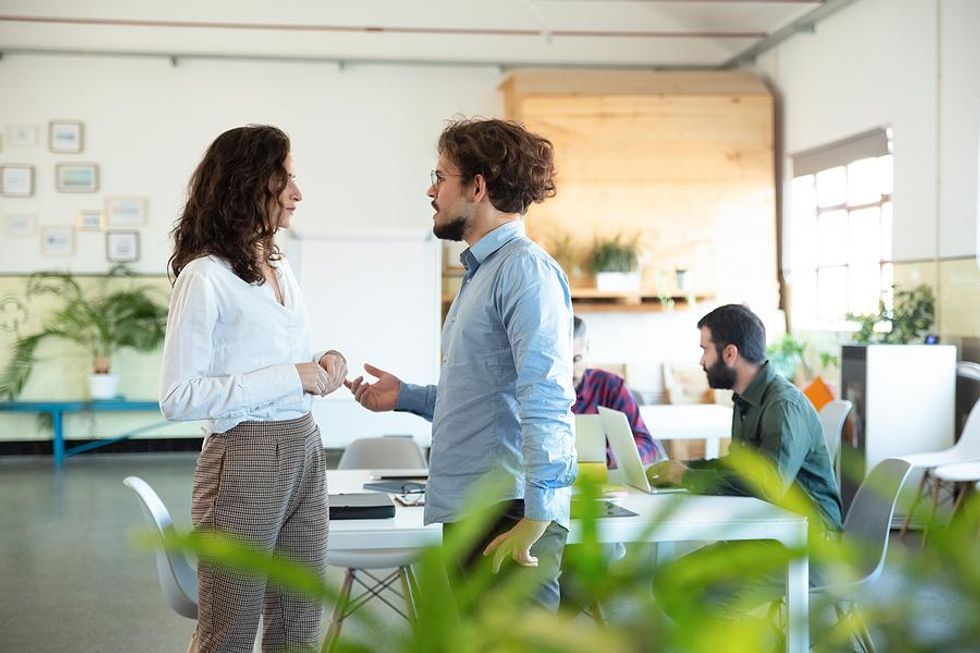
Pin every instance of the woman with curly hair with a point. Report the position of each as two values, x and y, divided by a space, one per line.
238 354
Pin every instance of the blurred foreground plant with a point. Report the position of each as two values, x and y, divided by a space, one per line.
482 613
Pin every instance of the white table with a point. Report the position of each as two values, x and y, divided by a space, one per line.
697 518
710 422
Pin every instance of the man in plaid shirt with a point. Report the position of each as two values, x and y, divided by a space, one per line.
594 388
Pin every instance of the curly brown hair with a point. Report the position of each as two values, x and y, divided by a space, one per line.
518 165
231 201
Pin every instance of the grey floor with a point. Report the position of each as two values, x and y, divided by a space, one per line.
72 578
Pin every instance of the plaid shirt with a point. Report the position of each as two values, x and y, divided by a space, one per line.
601 388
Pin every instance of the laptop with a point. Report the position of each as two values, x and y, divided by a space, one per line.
620 436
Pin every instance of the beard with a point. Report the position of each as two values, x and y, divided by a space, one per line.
452 230
720 376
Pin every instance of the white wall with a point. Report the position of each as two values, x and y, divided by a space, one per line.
363 138
914 65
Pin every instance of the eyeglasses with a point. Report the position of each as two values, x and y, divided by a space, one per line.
438 177
412 494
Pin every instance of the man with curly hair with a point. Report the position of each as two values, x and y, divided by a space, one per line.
502 405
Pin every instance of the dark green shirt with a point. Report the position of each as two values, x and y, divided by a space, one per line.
774 418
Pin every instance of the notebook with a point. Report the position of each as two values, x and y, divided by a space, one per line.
367 505
407 486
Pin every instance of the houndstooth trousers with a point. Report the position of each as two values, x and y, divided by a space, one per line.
264 483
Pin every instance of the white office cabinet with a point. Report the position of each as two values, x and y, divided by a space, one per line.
903 398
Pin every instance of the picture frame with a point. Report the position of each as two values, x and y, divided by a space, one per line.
16 180
90 220
57 241
76 177
20 225
65 136
21 135
122 246
125 212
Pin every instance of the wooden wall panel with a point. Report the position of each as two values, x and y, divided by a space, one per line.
692 173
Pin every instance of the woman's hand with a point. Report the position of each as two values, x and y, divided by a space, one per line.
314 379
334 365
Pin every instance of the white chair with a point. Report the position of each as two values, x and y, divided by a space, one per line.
832 417
391 452
967 449
176 570
964 478
866 530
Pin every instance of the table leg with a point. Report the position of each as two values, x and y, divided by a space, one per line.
798 605
58 437
712 447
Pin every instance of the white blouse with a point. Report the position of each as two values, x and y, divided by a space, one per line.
230 351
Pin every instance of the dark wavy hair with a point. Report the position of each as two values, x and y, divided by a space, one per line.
518 166
230 202
735 324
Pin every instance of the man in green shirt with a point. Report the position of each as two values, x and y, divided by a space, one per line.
772 417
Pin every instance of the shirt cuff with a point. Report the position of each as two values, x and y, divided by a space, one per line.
548 504
269 384
413 399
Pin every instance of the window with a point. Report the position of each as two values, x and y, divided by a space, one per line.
840 230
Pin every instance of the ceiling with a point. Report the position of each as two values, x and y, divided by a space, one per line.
613 33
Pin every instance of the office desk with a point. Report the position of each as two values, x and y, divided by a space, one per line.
710 422
696 518
57 410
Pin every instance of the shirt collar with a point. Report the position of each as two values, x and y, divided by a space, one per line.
474 256
753 393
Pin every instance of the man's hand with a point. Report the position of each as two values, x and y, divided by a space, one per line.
378 396
517 543
335 366
669 472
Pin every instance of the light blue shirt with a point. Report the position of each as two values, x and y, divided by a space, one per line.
503 403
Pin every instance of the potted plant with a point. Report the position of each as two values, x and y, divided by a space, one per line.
104 320
615 263
910 319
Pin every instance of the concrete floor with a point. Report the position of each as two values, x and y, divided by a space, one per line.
71 576
72 579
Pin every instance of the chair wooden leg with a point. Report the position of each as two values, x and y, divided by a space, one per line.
595 609
915 504
407 593
333 632
936 487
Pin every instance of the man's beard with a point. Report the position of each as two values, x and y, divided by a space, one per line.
720 376
452 230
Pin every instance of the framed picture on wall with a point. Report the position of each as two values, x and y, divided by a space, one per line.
89 221
122 246
65 136
21 135
19 225
16 180
76 177
57 241
123 212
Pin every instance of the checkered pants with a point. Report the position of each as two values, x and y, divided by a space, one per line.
263 482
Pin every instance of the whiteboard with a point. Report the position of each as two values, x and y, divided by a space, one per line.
374 296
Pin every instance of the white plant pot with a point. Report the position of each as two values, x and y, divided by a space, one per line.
617 281
103 386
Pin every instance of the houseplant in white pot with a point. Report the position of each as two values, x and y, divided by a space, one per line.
616 263
115 314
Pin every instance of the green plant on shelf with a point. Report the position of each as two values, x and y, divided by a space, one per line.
616 254
912 315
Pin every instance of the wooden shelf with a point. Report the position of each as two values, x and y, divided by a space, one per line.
592 300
